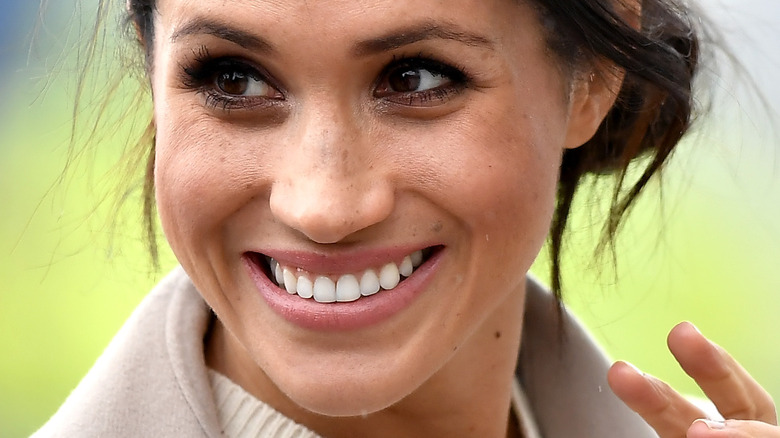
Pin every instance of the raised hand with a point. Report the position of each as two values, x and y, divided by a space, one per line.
748 409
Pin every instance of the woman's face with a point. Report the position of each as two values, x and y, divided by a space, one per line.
342 141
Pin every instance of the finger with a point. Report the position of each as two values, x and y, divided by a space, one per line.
732 429
662 408
733 391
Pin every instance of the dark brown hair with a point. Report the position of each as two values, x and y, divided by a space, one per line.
653 109
657 51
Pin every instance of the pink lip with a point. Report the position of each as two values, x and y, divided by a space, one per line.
364 312
338 264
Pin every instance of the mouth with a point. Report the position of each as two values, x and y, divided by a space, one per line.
345 287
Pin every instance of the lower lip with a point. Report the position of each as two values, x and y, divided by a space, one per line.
362 313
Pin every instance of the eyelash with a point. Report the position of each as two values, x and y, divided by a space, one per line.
457 76
200 74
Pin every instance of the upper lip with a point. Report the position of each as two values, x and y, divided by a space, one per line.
340 262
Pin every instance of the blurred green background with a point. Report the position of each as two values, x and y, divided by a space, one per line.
704 246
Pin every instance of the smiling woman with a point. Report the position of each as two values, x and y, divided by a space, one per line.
355 192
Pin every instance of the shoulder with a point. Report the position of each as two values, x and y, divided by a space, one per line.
145 381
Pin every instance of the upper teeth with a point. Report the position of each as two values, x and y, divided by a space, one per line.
347 287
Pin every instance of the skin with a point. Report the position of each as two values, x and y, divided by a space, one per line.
748 408
333 167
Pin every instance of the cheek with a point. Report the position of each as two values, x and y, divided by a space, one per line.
512 195
513 175
200 179
496 171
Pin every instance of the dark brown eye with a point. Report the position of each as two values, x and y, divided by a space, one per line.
240 83
405 81
420 82
410 80
235 83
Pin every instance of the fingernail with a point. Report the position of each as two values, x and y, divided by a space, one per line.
713 425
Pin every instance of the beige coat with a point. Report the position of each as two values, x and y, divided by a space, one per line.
151 381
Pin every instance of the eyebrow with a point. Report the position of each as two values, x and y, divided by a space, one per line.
205 26
392 40
420 32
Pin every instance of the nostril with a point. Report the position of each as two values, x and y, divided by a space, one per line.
328 210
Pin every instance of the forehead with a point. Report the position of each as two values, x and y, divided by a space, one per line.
338 20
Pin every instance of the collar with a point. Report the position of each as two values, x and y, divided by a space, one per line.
564 374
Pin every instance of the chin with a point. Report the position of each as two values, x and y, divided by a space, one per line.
351 399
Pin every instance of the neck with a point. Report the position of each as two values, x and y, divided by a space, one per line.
469 397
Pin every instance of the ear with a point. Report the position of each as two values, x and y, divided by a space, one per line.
592 96
594 92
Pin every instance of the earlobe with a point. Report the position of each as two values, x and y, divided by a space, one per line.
591 98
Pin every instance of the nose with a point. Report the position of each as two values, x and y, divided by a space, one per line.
329 185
